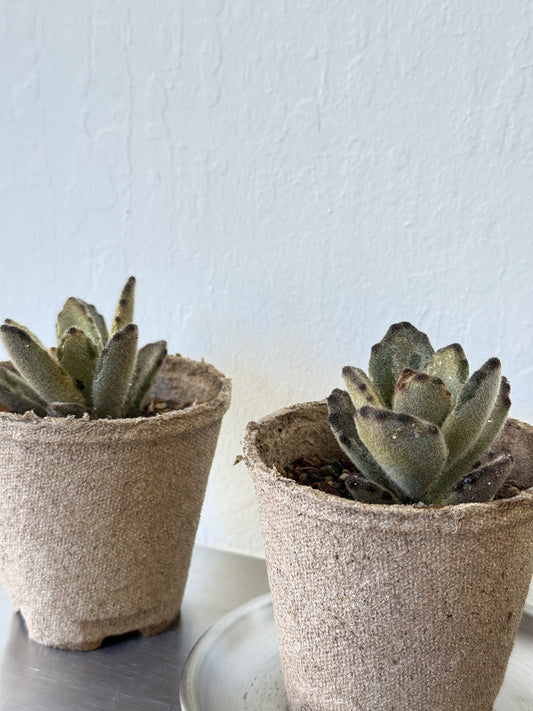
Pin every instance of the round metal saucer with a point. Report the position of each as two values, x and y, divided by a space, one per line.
235 665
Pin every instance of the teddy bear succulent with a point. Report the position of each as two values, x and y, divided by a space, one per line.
92 372
417 424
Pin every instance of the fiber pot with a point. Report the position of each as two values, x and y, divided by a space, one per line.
98 518
386 607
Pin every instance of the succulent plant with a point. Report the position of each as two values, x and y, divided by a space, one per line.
91 371
417 424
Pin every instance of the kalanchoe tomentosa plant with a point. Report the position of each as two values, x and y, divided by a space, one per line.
91 371
417 423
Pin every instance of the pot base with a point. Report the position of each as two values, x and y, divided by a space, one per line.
88 635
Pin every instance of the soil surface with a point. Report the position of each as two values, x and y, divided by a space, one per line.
338 476
325 475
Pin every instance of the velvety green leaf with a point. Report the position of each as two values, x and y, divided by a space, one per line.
341 419
481 484
99 321
10 322
451 366
114 371
149 361
78 355
412 452
453 472
403 346
124 312
423 396
474 405
365 491
360 387
38 367
76 313
495 421
17 395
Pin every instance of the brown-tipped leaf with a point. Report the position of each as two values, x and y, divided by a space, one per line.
451 366
75 312
403 346
149 361
412 452
38 367
113 373
10 322
99 321
360 387
78 355
494 423
124 311
423 396
341 414
361 489
474 405
454 472
481 484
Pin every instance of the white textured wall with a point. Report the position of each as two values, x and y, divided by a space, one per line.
285 179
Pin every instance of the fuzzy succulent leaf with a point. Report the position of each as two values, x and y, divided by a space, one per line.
341 419
76 313
124 311
423 396
435 423
10 322
451 366
472 409
64 409
149 361
38 367
78 354
86 369
493 425
365 491
17 395
403 346
411 451
481 484
99 321
360 387
113 372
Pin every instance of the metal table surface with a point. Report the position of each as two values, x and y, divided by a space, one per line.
130 673
135 673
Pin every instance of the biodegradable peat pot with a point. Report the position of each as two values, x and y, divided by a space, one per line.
98 518
393 608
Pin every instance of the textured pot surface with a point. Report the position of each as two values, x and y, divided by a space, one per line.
385 607
98 518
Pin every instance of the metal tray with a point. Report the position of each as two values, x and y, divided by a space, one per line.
235 666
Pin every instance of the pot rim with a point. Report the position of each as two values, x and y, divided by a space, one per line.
216 405
325 505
